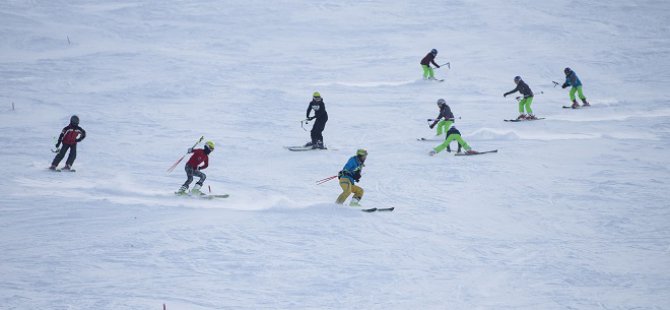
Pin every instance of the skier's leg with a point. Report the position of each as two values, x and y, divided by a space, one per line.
201 175
431 73
444 144
345 184
580 93
60 155
461 142
189 178
72 156
572 93
425 71
358 191
527 102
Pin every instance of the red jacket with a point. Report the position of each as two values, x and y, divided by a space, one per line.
198 157
71 134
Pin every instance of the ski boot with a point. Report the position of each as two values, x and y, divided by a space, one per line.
182 190
521 117
68 168
308 144
471 152
319 145
586 103
355 202
52 167
575 105
531 117
432 153
196 190
448 149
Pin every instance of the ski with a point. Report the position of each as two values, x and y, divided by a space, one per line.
378 209
201 196
524 120
478 153
570 107
53 170
427 139
303 148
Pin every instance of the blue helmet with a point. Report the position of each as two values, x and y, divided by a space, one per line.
517 79
433 51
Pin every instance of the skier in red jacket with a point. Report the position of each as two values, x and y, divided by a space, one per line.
193 168
69 136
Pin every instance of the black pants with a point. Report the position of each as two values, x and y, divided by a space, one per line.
61 154
190 172
317 129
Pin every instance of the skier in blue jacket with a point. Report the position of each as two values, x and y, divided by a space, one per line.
571 79
350 174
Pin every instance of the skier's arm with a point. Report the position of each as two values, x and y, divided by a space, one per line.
309 108
83 134
567 82
60 138
206 164
434 63
511 91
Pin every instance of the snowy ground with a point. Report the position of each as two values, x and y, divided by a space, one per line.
572 213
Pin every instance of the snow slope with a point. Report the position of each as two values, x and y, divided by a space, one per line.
571 213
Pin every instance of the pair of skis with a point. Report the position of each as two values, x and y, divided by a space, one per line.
201 195
370 210
299 148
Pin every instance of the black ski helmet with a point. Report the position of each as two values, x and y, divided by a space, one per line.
74 120
433 51
517 79
441 102
567 70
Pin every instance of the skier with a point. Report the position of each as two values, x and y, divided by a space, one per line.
571 79
428 73
350 174
69 136
193 168
444 120
524 89
321 117
453 134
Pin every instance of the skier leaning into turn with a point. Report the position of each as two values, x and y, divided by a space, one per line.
193 167
69 136
571 79
350 174
527 93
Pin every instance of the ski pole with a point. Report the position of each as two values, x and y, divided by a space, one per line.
319 182
555 83
57 149
303 123
182 157
446 64
433 119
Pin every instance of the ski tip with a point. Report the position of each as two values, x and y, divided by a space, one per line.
369 210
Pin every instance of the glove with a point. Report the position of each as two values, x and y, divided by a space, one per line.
311 118
504 95
564 85
190 150
431 125
58 145
357 176
437 66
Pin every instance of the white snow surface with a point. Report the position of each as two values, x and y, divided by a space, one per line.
571 213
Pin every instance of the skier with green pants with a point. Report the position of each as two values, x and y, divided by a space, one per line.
428 73
524 103
444 120
452 134
571 79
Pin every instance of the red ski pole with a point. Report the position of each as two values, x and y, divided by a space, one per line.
182 158
319 182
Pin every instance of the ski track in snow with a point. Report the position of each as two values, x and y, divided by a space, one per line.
571 213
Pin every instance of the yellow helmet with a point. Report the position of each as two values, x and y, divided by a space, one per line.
209 145
316 94
362 152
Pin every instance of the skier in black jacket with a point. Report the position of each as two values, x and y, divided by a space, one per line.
321 117
69 136
527 93
428 73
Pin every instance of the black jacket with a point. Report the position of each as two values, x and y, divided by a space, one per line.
523 88
430 58
445 113
319 109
